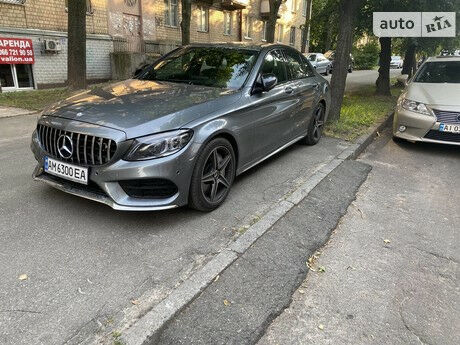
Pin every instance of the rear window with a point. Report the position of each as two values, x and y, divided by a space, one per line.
439 72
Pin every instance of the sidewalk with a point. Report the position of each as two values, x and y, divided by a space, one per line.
10 112
391 272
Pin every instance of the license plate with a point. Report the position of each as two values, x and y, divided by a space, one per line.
68 171
445 127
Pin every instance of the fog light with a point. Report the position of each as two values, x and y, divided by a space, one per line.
402 128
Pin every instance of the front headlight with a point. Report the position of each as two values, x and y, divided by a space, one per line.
159 145
416 107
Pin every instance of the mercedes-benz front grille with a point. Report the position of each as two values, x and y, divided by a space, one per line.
86 149
447 116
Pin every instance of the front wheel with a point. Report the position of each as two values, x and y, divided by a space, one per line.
315 128
212 176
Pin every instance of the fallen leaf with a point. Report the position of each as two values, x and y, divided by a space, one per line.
23 277
386 241
135 301
226 302
217 278
321 269
321 326
301 291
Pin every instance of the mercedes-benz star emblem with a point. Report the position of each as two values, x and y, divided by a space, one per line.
65 146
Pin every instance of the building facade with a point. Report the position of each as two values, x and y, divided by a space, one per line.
137 26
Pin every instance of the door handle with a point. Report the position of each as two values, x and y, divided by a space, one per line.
288 89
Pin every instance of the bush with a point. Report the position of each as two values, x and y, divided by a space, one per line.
366 56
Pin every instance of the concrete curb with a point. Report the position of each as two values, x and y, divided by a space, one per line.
148 328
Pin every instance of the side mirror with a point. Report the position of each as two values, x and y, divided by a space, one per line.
265 82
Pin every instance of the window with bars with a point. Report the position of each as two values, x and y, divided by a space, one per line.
203 18
292 36
280 30
264 30
228 23
247 26
171 13
14 2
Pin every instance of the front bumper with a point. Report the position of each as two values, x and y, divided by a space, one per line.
104 186
418 127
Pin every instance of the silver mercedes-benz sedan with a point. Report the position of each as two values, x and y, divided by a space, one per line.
183 128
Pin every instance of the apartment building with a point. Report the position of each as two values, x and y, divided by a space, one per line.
33 37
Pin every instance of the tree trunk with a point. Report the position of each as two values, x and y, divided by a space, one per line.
383 80
76 49
409 57
342 56
272 18
185 23
306 29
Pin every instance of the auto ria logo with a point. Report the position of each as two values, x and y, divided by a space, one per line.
414 24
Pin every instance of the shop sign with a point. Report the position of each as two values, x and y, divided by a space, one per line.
17 51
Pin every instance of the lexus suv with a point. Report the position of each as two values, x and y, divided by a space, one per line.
183 128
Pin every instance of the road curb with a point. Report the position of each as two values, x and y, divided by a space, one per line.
147 329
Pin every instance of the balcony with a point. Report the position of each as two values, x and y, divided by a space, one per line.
232 5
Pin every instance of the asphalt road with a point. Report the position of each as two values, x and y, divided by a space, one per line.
87 263
89 268
358 79
392 265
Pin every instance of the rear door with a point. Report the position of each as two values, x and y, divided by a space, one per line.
305 91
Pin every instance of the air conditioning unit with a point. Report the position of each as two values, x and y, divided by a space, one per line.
52 45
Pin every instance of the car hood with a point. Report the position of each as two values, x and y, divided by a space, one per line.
141 107
434 94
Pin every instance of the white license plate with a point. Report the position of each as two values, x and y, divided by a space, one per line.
68 171
445 127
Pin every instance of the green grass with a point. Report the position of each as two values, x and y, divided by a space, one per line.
33 100
361 110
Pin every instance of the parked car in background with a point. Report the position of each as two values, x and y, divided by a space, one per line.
183 128
322 64
396 62
331 55
429 108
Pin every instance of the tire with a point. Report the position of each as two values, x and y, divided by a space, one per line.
315 127
213 175
350 69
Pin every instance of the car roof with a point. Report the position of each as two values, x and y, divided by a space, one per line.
240 45
443 58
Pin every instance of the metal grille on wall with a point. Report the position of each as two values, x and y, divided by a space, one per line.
15 2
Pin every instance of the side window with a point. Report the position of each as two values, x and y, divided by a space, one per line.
297 66
274 63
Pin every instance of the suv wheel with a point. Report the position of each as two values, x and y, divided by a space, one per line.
213 175
315 128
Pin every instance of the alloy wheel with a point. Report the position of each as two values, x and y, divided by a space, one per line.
318 123
216 175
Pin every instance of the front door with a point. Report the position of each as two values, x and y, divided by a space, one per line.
271 112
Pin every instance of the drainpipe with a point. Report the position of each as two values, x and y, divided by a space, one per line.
240 26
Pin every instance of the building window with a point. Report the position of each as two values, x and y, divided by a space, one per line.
89 7
228 23
264 31
280 30
171 13
14 2
293 5
292 36
247 27
203 19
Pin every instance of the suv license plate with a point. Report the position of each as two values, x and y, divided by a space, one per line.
67 171
445 127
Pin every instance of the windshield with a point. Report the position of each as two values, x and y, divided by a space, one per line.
395 58
312 57
439 72
209 66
